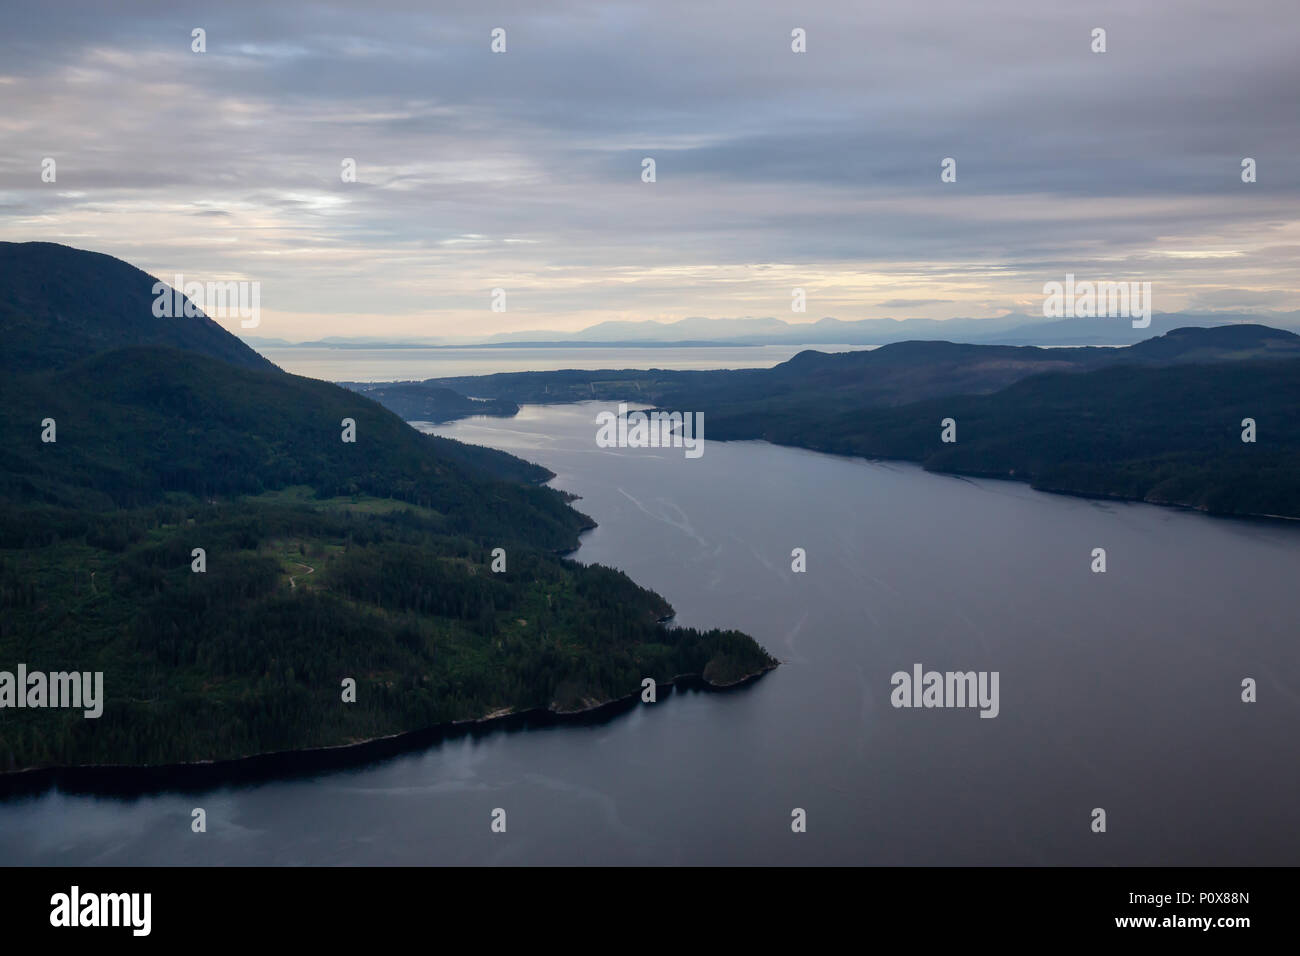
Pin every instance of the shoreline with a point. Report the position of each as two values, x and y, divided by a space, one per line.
1024 480
1031 482
128 780
137 780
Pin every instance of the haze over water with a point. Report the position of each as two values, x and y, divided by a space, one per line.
1118 690
415 364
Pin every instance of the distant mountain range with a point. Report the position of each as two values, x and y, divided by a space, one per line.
1012 329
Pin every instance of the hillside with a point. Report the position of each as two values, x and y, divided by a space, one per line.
323 560
1157 421
59 304
1167 435
890 375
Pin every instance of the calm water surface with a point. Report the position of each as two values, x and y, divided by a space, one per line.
389 365
1117 690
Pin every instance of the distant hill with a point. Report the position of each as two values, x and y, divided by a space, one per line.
1224 343
1114 331
1164 434
59 304
890 375
1158 421
417 403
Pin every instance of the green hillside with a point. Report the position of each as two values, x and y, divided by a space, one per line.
1169 435
1158 421
59 304
325 560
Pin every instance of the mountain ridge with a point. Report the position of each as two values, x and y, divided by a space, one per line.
59 304
158 505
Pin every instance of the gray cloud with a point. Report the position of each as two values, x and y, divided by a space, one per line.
1241 298
774 169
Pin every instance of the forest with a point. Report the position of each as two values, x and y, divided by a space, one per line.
185 517
297 594
1160 421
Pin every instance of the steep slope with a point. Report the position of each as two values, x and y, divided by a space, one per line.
201 534
137 424
59 304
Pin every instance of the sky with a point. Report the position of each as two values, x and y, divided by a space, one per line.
774 170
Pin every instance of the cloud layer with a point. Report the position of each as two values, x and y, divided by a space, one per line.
774 169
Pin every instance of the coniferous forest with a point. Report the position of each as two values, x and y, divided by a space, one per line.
1168 420
321 559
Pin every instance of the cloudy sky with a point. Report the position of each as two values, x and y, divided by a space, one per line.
774 169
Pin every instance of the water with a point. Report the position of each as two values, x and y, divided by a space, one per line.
388 365
1117 690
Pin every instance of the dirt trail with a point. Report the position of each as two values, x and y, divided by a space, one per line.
309 568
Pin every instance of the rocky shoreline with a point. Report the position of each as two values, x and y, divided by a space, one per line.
123 780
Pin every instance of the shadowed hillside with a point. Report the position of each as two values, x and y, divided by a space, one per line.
59 304
1158 421
200 532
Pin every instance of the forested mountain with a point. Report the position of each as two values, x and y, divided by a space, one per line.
322 559
890 375
59 304
1159 421
1167 435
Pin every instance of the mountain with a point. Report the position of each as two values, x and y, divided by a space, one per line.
1221 344
1114 331
1169 434
59 304
1161 421
200 530
1158 421
890 375
1011 329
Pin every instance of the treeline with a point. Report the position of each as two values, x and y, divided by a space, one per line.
322 559
896 374
416 402
235 660
489 461
1157 421
1167 435
136 425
